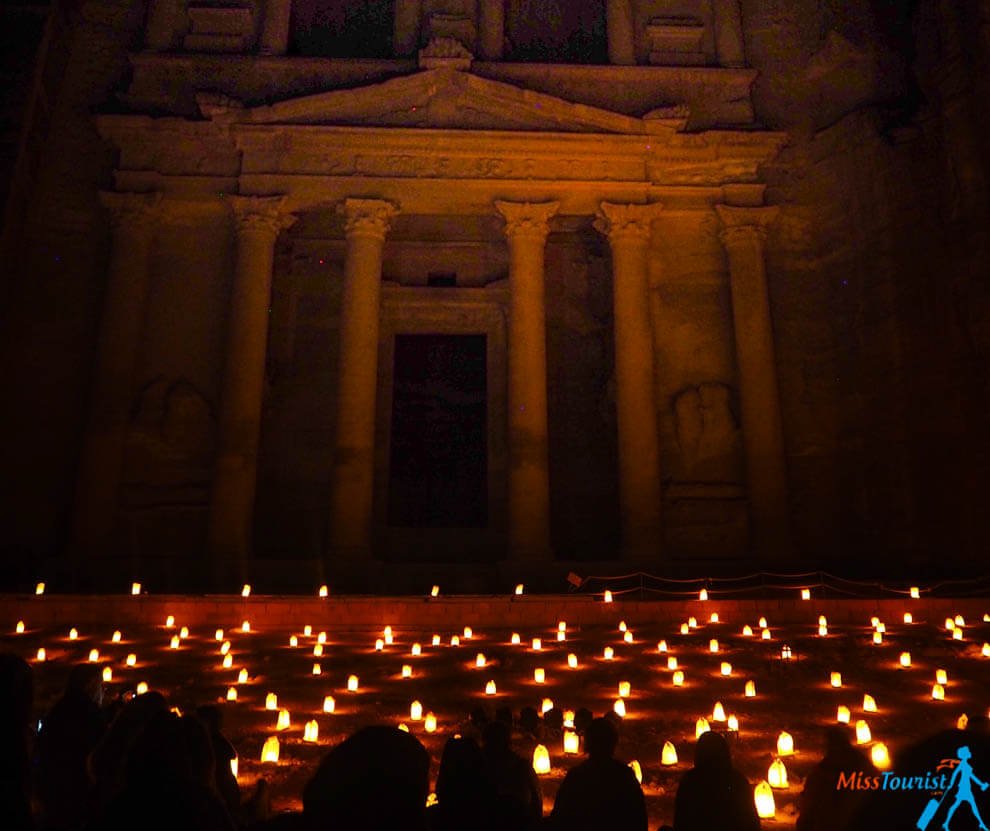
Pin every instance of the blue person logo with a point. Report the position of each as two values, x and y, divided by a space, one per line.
961 787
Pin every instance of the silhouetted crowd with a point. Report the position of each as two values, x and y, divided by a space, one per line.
136 764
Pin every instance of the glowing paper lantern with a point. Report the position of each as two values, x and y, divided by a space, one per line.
957 634
733 724
135 588
765 635
271 701
628 637
435 591
938 692
39 589
877 638
436 640
317 669
624 689
73 634
785 652
311 731
836 679
283 722
541 760
692 623
561 636
622 626
806 594
678 679
174 643
490 688
107 675
293 641
726 668
905 659
329 704
842 714
718 712
352 683
415 711
228 661
218 635
671 662
747 631
915 592
962 722
685 629
765 807
246 626
822 631
908 617
668 755
608 596
519 588
269 753
703 594
317 650
562 626
880 756
479 660
863 735
637 771
546 706
242 676
572 661
777 774
234 766
225 647
537 644
455 640
468 633
321 638
762 623
19 629
662 646
941 677
516 639
430 723
115 638
379 645
232 693
959 620
570 742
881 627
713 645
619 708
750 689
94 655
142 687
406 671
246 590
701 726
568 718
785 743
539 675
417 649
608 653
324 591
869 704
950 624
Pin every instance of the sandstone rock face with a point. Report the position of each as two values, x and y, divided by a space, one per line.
877 270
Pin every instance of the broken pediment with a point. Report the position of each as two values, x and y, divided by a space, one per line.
443 98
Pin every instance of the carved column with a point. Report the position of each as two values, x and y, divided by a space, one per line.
728 33
258 221
133 217
405 39
743 235
367 223
491 29
526 228
275 29
628 231
621 31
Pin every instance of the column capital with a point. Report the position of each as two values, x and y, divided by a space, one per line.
367 217
136 211
620 221
260 213
745 224
527 218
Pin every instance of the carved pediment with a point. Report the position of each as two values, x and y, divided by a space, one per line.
450 99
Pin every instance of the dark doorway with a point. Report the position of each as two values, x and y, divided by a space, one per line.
438 465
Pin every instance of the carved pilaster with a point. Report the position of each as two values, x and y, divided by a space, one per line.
527 218
260 214
618 222
367 217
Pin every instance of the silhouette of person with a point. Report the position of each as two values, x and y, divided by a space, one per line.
16 698
464 797
68 735
822 806
963 779
600 792
375 780
518 800
713 794
223 752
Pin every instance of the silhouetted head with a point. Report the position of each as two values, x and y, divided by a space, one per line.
601 739
211 717
376 780
711 753
460 769
837 741
16 690
964 752
497 737
86 680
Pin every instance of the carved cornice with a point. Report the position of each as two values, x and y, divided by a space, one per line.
622 222
745 225
529 219
131 211
260 214
367 217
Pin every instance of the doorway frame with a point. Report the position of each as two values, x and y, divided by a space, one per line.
415 310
